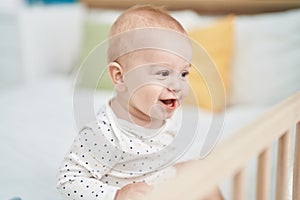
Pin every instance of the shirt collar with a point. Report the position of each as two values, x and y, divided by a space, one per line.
125 127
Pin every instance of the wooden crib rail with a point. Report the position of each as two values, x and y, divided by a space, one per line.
230 158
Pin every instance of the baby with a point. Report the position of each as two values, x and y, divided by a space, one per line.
118 157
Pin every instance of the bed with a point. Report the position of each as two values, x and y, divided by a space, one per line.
37 123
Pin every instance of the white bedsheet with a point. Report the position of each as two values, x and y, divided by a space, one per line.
37 129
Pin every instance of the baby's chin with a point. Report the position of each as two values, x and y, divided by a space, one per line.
158 112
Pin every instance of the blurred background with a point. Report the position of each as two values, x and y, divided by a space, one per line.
255 46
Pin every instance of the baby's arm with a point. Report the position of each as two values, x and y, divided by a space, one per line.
79 177
86 187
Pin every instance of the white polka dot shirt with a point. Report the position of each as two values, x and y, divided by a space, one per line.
110 153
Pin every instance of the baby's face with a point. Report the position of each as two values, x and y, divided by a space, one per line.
157 83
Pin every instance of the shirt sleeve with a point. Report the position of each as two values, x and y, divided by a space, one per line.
80 176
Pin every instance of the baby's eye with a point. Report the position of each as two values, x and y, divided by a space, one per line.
184 74
163 73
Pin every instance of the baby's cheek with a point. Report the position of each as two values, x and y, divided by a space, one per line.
185 90
152 91
148 95
152 96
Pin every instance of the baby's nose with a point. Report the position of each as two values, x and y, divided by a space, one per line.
174 85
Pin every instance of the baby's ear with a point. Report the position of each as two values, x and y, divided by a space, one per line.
116 75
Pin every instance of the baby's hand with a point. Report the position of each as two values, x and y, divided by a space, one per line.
133 191
182 166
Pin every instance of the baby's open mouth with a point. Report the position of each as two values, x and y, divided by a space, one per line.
170 103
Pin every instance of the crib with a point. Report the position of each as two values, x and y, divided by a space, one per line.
275 126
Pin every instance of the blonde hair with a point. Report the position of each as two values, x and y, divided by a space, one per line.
143 16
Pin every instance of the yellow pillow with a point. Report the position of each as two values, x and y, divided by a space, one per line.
210 80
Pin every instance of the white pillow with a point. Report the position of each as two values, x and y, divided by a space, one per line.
266 62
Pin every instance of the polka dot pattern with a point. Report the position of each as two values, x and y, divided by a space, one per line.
103 159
